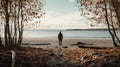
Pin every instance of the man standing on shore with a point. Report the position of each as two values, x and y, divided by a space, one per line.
60 38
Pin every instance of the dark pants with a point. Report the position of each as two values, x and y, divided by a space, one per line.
60 42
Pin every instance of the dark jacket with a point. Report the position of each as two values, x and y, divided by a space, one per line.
60 36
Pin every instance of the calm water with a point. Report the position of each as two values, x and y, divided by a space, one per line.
68 34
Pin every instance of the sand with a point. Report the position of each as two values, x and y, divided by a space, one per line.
72 56
67 42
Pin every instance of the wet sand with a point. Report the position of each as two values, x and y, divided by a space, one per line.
67 42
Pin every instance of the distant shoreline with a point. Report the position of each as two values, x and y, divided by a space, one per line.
88 29
95 38
100 29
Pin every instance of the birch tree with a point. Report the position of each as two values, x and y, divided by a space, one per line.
104 11
15 14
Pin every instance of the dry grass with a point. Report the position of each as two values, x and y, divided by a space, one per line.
38 57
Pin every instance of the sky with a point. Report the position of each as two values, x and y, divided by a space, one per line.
64 14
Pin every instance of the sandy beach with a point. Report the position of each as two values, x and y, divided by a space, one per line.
67 42
70 56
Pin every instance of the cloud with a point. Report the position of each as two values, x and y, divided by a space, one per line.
73 20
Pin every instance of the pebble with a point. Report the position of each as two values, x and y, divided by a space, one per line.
65 46
84 58
52 54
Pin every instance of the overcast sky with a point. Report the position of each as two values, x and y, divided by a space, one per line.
64 14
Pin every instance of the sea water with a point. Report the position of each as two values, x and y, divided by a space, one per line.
82 34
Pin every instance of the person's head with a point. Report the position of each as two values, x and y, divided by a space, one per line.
60 31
